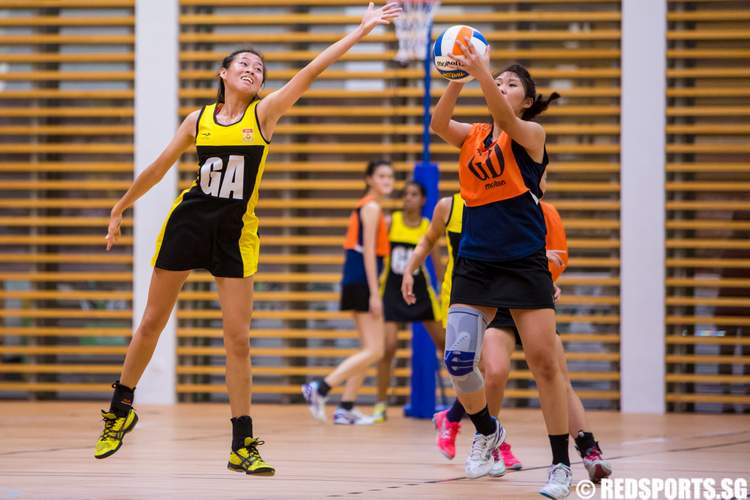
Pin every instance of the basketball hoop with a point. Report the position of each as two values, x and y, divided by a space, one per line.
412 29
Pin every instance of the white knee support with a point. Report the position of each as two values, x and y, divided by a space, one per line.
463 347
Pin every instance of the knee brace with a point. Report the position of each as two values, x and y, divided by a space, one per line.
463 347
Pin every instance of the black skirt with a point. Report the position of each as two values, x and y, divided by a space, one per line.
355 297
395 309
524 283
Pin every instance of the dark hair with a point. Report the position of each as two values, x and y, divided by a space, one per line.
228 60
540 103
420 187
373 166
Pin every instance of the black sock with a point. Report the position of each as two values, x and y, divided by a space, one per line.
242 427
584 442
456 412
559 444
122 399
484 423
323 388
347 405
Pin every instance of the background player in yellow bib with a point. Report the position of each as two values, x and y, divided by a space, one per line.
212 225
406 228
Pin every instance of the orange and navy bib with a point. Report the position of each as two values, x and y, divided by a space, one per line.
500 184
354 240
488 171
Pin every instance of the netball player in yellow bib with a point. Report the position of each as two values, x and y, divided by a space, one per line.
406 228
212 225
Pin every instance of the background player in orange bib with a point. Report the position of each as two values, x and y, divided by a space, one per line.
212 225
501 260
366 247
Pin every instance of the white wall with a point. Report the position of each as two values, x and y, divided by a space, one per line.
643 196
156 89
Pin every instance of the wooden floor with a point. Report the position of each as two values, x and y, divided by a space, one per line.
181 452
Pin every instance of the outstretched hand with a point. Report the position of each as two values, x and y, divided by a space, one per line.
384 15
472 61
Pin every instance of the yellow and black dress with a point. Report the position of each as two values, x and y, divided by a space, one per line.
453 239
212 224
403 239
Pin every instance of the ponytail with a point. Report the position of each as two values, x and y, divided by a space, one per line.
539 105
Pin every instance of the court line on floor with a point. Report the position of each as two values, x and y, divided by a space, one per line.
439 481
529 469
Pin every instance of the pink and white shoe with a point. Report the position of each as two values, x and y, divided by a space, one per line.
509 459
596 465
446 434
498 465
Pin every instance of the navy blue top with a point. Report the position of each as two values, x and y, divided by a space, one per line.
508 229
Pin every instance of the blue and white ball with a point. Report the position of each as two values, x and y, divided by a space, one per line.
447 44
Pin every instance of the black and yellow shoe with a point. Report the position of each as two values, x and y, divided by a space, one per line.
114 431
248 460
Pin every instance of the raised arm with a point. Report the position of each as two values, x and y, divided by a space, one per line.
528 134
277 103
451 131
151 175
425 246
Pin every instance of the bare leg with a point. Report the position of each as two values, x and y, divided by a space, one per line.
351 388
162 295
576 414
496 352
236 297
543 351
371 330
385 365
437 333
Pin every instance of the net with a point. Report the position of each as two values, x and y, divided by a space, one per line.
411 29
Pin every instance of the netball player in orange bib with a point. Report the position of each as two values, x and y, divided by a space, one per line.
500 340
502 337
502 261
366 247
212 225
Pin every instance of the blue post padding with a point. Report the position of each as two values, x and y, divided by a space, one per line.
428 175
424 365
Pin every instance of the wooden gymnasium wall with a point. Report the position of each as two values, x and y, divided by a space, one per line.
66 140
369 107
708 206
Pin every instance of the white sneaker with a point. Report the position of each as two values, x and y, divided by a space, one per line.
480 459
351 417
315 402
558 484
